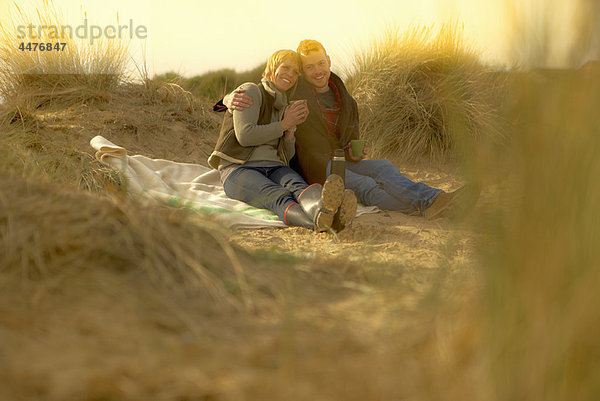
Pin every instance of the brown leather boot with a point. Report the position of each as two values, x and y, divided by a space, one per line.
453 205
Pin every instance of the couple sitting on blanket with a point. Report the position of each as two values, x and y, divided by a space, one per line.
262 133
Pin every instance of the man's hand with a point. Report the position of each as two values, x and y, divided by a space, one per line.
294 115
237 100
366 151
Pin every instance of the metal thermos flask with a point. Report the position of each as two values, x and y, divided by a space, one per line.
338 164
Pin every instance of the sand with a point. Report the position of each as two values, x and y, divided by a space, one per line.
330 317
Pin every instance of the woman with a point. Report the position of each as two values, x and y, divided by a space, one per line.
254 148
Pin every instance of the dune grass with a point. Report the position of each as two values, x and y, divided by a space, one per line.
534 332
79 72
36 87
541 320
422 91
519 322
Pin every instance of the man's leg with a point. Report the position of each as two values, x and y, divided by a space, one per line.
251 185
380 183
370 193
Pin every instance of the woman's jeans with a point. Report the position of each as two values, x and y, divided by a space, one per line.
379 183
273 188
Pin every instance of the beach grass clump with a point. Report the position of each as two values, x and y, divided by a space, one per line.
541 260
77 71
422 93
47 231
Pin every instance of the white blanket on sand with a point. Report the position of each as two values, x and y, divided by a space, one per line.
192 186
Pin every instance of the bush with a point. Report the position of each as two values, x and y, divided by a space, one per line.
419 93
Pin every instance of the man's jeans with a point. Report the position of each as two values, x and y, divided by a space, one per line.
379 183
273 188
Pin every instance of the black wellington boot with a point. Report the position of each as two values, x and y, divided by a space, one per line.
347 211
320 202
295 217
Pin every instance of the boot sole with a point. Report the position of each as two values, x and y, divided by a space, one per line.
347 211
331 198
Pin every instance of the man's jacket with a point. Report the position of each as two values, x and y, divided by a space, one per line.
314 144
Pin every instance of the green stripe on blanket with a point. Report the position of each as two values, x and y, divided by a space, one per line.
197 207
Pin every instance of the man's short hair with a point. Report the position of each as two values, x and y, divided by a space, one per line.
310 45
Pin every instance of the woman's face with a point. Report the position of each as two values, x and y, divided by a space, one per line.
286 75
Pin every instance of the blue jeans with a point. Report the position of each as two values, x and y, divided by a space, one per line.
379 183
273 188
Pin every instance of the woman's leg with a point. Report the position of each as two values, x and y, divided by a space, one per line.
320 202
251 185
287 178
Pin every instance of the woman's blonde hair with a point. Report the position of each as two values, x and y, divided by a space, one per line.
277 59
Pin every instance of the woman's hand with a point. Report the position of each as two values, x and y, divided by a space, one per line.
289 135
294 115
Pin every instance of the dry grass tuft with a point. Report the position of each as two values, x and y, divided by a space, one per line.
79 73
422 94
46 231
173 93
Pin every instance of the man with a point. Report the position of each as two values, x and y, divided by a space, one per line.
332 123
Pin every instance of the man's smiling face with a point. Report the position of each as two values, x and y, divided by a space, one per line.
316 69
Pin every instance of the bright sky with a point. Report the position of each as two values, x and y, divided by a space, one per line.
192 37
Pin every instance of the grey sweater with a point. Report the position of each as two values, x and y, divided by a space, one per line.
264 137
